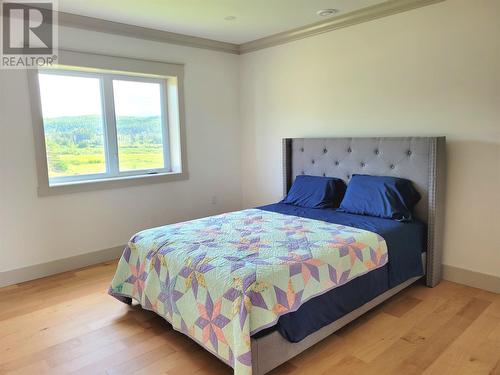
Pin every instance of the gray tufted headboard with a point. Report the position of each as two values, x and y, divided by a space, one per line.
419 159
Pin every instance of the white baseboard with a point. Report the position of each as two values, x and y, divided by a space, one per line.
57 266
455 274
475 279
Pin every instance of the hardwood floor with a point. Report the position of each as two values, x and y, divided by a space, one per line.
68 324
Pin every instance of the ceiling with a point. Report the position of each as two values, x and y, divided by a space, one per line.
255 19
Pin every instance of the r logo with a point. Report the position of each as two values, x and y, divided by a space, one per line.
27 28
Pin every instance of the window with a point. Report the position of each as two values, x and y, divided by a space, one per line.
139 125
73 124
101 125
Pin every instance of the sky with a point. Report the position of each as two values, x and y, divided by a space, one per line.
64 95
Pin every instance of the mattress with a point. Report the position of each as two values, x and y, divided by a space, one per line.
405 241
221 279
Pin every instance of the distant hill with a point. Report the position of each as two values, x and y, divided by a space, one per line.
87 131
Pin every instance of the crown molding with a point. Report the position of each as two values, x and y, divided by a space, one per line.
363 15
111 27
359 16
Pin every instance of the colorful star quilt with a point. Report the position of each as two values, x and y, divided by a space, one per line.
223 278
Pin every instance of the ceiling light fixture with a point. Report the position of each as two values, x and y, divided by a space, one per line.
230 18
327 12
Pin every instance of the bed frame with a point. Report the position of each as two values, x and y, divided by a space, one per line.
419 159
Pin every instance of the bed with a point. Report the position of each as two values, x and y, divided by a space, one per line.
258 286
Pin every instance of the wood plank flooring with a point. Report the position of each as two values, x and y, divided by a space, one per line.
68 324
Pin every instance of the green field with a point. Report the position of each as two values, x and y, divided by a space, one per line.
75 144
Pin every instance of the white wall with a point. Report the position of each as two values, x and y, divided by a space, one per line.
430 71
36 230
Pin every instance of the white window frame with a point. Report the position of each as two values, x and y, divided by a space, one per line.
107 69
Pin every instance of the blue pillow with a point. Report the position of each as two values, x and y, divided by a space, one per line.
381 196
315 192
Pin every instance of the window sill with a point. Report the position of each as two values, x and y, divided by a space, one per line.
110 183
